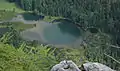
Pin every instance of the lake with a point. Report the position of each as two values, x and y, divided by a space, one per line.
56 33
59 32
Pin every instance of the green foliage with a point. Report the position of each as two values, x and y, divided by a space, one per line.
101 14
97 47
18 55
12 37
37 59
75 54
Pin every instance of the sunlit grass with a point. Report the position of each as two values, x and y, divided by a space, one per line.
8 10
5 15
50 19
4 5
21 26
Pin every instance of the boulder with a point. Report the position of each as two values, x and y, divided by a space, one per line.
65 66
71 66
94 66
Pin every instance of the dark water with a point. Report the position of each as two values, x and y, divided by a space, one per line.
59 32
31 16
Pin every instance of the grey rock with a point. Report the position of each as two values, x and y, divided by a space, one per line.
89 66
96 67
66 66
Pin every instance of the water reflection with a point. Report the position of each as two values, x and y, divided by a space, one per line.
68 27
32 16
61 33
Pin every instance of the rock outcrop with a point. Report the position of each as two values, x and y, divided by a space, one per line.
89 66
65 66
94 66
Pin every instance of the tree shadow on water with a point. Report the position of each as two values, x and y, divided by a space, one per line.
68 27
32 16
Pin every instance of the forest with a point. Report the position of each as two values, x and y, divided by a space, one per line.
99 20
100 14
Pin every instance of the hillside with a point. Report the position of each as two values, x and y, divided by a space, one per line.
99 21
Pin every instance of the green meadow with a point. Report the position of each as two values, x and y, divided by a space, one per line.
4 5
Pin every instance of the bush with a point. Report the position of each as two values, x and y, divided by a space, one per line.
37 59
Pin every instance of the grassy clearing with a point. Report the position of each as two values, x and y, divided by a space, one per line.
5 15
49 18
4 5
17 25
8 10
21 26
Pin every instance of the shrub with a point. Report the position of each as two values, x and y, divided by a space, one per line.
36 59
